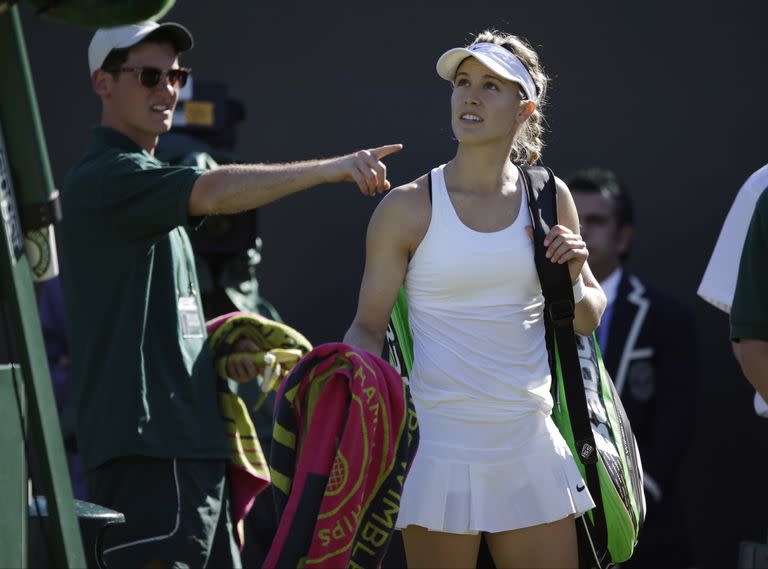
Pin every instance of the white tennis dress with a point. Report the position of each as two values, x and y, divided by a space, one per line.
489 457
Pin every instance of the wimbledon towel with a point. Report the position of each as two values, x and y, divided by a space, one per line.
344 438
282 346
248 472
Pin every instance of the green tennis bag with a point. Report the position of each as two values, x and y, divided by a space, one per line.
587 409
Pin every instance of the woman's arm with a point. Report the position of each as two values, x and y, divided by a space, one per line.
565 245
396 228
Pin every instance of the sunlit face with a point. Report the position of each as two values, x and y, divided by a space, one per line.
139 112
599 229
484 106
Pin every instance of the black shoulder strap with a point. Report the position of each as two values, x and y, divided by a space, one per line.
559 307
555 279
559 313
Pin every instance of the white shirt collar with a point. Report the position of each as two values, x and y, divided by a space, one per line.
610 284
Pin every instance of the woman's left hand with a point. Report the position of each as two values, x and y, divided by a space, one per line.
565 246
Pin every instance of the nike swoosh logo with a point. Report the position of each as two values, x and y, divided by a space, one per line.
579 487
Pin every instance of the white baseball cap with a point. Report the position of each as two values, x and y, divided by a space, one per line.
107 39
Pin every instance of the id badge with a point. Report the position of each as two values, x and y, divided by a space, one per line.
189 317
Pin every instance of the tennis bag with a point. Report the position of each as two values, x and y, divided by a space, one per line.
587 409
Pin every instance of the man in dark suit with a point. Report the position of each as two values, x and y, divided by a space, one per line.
649 346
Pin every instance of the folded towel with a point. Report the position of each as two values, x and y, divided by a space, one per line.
344 438
247 470
282 346
248 473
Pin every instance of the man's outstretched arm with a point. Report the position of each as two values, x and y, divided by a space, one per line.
240 187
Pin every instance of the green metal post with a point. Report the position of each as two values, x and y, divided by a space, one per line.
13 472
25 174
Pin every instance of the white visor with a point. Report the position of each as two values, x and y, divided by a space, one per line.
501 61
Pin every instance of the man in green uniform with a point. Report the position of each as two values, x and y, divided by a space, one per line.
749 314
148 427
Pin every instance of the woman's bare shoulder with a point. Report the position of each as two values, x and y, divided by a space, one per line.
562 188
410 194
404 212
566 208
410 203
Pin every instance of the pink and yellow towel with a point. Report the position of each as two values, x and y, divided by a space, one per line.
345 435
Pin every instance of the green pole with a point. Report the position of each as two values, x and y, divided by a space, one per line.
25 173
13 471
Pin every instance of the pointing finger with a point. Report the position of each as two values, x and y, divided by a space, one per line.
386 150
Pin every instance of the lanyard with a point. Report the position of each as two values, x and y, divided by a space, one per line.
185 243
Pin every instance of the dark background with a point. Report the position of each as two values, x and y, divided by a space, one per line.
671 95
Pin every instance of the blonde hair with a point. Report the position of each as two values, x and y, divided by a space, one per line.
529 143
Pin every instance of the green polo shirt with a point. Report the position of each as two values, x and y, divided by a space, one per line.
749 314
143 380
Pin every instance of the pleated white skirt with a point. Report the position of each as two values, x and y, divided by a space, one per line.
473 476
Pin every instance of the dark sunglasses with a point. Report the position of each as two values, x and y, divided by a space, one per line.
150 77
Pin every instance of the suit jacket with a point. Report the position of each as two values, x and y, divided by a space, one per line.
652 358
